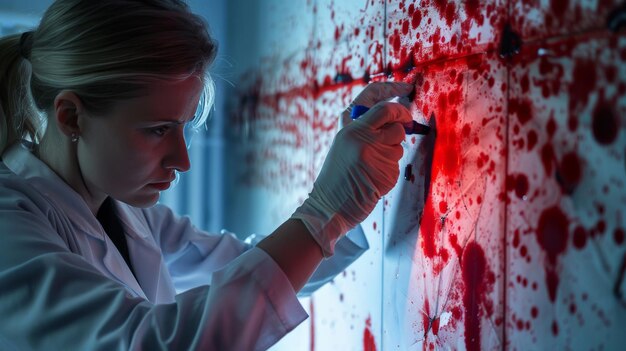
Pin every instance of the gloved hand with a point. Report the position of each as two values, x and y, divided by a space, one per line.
361 167
377 92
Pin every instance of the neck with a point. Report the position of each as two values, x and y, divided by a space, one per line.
60 154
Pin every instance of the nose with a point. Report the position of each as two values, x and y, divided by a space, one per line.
178 157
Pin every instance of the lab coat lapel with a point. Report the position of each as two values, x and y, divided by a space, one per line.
103 253
117 267
146 256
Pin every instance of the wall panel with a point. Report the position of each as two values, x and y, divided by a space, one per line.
423 31
567 194
444 225
537 20
508 232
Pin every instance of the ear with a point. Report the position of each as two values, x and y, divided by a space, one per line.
69 112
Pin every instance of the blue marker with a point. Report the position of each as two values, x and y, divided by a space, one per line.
410 128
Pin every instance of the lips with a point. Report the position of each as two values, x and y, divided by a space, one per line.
161 186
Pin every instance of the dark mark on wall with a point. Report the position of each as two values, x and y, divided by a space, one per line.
343 78
617 19
408 172
510 43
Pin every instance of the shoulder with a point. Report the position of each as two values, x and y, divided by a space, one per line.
17 194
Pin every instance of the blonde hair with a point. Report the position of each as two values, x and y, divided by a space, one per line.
105 52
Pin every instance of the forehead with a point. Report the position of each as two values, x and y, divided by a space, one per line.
164 101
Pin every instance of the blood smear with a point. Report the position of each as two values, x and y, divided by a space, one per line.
369 344
474 266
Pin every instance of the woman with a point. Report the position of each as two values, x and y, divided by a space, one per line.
94 103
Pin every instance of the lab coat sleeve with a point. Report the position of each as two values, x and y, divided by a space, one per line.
347 250
51 298
193 255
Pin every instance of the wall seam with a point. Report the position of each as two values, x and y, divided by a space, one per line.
383 224
506 206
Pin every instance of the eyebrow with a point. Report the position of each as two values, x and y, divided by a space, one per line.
170 121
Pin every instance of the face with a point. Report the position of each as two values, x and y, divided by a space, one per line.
133 153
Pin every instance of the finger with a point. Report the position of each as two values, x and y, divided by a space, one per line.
386 113
345 118
393 153
392 134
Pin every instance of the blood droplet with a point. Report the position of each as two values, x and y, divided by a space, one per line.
570 172
369 343
552 232
473 265
579 237
604 123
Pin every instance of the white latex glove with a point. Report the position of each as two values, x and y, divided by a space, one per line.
375 93
361 167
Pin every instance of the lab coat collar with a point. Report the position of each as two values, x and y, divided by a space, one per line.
19 159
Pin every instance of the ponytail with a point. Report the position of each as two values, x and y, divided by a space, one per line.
103 51
18 116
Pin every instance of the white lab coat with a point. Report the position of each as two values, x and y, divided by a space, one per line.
65 286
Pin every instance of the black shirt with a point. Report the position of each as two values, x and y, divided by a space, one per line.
108 218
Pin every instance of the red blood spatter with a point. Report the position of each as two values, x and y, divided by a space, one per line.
446 158
369 343
547 158
454 241
516 239
426 317
583 83
405 27
532 139
570 172
555 328
558 7
579 238
525 84
552 236
435 326
337 33
534 312
450 13
473 266
446 166
443 207
551 127
374 225
522 109
618 236
604 123
472 9
416 19
552 233
520 185
428 226
552 283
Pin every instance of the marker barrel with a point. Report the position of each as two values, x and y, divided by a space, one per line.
410 128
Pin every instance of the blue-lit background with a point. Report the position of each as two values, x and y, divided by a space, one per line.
512 239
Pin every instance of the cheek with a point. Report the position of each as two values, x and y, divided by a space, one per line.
116 161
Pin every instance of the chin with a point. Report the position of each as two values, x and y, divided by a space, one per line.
142 201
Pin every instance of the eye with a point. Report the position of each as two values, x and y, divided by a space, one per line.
159 131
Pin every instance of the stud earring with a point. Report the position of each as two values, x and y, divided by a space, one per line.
74 137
